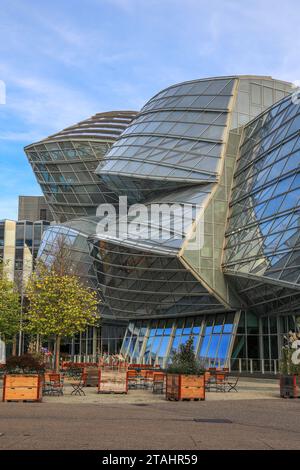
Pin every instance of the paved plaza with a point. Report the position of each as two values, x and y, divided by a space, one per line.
253 418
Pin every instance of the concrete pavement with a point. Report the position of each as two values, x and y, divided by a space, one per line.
241 424
142 420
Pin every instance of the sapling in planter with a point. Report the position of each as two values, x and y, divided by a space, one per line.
185 375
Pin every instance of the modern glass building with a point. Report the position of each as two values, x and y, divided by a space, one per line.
64 164
181 149
223 265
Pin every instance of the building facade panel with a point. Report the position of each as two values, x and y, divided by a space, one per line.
65 163
262 252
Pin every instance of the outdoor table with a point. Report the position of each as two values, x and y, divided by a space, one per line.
217 380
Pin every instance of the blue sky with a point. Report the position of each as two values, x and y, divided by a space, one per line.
64 60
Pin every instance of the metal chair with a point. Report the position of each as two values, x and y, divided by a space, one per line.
147 378
132 379
75 372
209 380
53 385
158 382
232 384
220 381
78 386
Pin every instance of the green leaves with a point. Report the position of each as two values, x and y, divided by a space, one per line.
59 304
9 308
185 362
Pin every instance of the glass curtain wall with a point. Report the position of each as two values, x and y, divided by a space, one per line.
154 342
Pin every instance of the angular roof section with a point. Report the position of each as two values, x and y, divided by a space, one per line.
108 125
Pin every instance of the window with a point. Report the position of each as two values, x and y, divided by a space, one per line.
43 214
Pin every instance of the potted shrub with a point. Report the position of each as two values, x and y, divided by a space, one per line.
25 364
290 367
23 379
185 375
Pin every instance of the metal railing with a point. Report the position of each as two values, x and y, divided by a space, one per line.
240 365
251 366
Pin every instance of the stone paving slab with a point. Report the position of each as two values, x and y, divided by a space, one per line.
233 424
253 418
248 389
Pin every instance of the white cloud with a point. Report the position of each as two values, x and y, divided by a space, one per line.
43 105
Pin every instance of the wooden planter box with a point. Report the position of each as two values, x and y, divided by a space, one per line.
290 386
22 388
185 387
112 381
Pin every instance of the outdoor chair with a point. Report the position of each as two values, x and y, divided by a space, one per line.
132 379
158 382
53 385
232 384
78 386
147 378
211 382
215 381
220 381
75 373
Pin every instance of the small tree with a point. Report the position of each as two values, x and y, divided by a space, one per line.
9 308
185 361
59 304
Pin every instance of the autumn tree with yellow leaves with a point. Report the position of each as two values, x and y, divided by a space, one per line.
59 303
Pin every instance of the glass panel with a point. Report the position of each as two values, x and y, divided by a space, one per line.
213 346
218 324
223 346
175 344
208 327
228 325
163 347
188 326
241 326
204 345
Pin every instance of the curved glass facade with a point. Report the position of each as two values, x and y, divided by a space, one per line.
65 163
74 234
176 140
146 284
262 238
180 149
225 152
